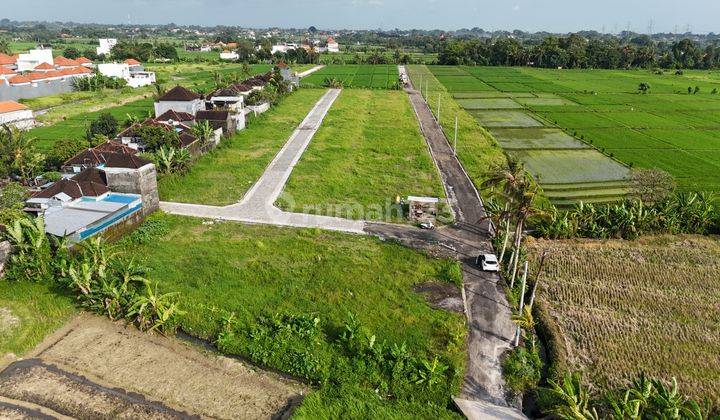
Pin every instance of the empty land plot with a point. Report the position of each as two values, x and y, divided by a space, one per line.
536 138
258 271
222 176
368 150
506 119
488 103
74 127
620 308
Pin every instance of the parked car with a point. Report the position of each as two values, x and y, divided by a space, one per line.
427 226
488 262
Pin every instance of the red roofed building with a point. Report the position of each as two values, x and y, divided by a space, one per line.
19 80
16 114
8 61
64 63
132 62
43 67
332 46
85 62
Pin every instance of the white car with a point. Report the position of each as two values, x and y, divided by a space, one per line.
488 262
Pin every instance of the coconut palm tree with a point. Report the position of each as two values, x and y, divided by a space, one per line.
507 178
524 206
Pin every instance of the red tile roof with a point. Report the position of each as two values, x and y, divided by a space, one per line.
11 106
115 147
180 94
83 60
36 75
5 70
175 116
7 59
132 62
17 80
81 70
65 62
44 66
73 188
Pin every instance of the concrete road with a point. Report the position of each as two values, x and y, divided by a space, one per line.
488 311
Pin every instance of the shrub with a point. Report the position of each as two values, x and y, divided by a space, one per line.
521 368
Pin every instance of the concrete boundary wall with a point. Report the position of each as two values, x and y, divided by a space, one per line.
35 90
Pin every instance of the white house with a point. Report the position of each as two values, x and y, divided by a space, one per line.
33 58
16 114
106 45
124 71
332 46
283 48
229 56
179 99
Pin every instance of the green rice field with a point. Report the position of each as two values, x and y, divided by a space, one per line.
586 129
381 76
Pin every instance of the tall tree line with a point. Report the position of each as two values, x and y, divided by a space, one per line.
575 51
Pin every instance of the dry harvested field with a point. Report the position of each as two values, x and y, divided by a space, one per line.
618 308
94 368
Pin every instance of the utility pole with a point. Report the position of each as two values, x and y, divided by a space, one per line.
522 302
427 98
438 115
455 138
421 84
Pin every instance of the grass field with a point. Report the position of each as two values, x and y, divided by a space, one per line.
616 309
256 270
368 150
222 176
29 312
667 128
380 76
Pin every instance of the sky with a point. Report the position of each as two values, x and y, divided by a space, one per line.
700 16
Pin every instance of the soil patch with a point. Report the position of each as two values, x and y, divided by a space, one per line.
444 296
91 360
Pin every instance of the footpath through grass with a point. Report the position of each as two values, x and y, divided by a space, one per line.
234 279
368 150
222 176
477 150
28 313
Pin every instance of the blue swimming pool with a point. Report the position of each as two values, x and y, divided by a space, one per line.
114 198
